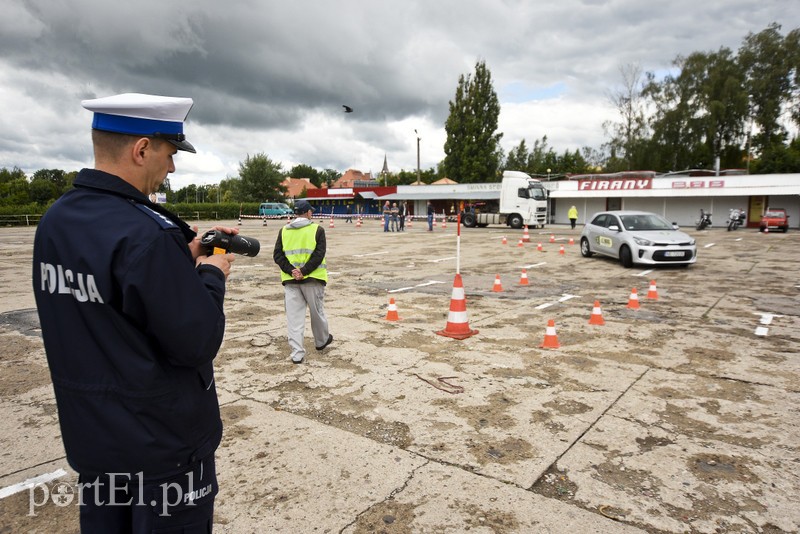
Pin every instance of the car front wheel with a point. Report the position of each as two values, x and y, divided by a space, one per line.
586 252
625 257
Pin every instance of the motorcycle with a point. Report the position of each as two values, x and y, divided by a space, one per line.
705 220
736 218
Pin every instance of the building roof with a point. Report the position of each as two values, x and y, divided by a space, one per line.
349 178
294 186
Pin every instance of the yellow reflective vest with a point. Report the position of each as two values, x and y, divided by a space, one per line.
298 244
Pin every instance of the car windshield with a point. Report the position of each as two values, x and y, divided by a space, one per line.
773 214
644 221
284 207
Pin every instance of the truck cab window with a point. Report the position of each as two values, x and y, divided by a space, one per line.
522 192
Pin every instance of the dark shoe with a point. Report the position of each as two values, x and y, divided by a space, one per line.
330 340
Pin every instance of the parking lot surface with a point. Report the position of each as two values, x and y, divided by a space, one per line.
679 416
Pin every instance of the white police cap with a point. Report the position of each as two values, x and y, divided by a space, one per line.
144 115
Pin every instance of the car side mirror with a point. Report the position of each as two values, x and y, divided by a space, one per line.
614 228
675 226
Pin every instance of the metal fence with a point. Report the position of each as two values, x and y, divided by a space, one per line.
20 220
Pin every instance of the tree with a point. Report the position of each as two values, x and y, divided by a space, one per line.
14 187
472 148
329 176
260 179
307 171
627 134
765 59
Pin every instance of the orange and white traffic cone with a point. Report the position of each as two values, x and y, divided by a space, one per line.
444 221
525 236
552 238
520 244
652 292
633 300
391 314
539 247
561 250
457 323
240 219
410 220
330 225
523 278
597 314
497 287
358 222
571 241
505 241
550 337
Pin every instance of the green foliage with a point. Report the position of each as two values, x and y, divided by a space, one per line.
260 180
472 148
329 176
307 171
542 160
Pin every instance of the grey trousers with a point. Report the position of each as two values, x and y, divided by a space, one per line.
297 297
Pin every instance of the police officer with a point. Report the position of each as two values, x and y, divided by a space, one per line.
131 311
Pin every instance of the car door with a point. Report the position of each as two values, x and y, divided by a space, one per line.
612 235
598 234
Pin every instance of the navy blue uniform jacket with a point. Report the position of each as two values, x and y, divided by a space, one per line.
131 329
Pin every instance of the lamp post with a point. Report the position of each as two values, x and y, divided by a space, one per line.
418 173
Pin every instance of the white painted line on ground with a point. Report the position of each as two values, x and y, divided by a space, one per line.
644 273
423 284
31 482
761 331
564 297
370 254
534 265
709 245
442 259
739 239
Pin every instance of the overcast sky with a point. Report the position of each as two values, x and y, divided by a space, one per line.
271 76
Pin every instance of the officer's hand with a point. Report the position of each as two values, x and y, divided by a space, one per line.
222 261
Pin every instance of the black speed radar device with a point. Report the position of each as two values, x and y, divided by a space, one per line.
216 242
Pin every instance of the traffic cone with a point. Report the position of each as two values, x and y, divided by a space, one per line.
330 225
457 324
358 222
391 315
552 238
525 236
633 301
505 241
410 220
523 278
539 247
550 337
561 250
497 287
571 241
597 314
652 292
240 219
444 221
520 244
265 222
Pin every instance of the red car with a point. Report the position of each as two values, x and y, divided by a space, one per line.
775 218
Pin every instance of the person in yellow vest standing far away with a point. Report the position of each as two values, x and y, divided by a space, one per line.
572 215
300 253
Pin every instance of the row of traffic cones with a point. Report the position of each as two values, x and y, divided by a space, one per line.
457 326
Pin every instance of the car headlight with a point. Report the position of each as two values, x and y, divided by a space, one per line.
692 243
642 242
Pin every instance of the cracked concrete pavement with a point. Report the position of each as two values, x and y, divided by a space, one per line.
681 416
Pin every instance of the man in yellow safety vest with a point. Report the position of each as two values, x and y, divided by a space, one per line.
300 253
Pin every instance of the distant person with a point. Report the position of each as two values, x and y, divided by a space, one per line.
395 214
300 253
430 216
387 213
349 212
572 215
131 312
402 216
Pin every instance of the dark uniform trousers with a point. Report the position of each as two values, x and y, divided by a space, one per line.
123 503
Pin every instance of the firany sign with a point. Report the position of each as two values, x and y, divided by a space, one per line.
625 184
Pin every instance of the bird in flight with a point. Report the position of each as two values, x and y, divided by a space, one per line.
347 109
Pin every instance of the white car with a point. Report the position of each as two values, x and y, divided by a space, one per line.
637 237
